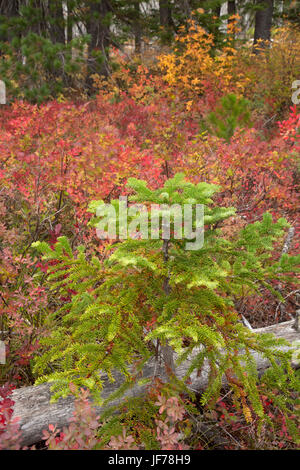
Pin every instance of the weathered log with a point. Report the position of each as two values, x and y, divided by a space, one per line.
35 413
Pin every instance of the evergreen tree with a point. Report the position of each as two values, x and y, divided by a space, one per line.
37 62
231 113
156 291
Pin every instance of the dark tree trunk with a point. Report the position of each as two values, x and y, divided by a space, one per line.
215 26
98 27
137 28
37 18
166 21
8 9
263 24
231 8
57 21
185 8
217 11
69 22
167 350
165 14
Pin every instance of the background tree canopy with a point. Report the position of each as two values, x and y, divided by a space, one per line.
50 46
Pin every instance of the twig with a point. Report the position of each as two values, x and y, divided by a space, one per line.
296 325
230 435
285 249
226 395
268 120
281 303
246 323
288 241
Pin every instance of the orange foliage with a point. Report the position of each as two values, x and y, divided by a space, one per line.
192 65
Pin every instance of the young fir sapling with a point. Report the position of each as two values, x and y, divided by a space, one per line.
155 291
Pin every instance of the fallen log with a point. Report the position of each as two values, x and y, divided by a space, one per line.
35 412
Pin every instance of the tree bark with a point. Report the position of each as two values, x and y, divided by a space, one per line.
185 8
35 413
231 8
69 22
167 351
137 28
37 21
216 16
217 11
165 14
166 21
8 10
98 27
57 21
263 24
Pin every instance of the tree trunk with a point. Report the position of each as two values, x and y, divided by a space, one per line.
9 10
231 8
215 26
69 22
37 18
57 21
137 28
167 350
98 27
185 8
263 24
217 11
35 413
165 19
165 15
